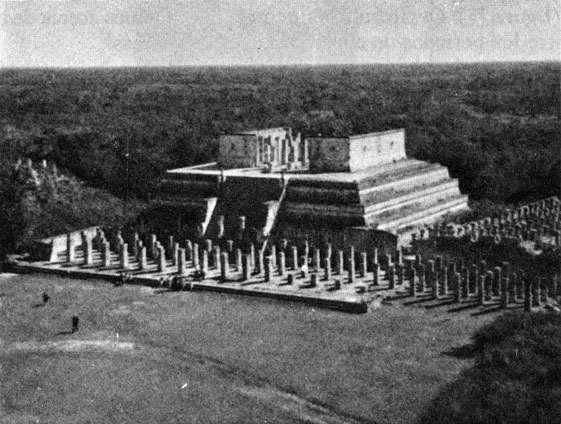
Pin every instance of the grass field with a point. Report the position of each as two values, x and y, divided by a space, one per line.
146 357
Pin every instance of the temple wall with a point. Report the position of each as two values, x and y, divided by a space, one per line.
237 151
374 149
329 154
356 153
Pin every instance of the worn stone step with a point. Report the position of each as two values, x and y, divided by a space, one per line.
422 214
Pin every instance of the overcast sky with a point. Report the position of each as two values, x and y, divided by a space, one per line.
274 32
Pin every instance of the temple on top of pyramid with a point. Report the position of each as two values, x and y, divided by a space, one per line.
359 189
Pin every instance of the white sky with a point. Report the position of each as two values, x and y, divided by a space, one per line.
273 32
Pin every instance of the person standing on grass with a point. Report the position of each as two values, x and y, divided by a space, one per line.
75 322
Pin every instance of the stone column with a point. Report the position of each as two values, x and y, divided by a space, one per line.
239 260
260 263
216 259
181 262
314 280
230 246
457 281
204 262
196 261
444 283
482 267
351 269
412 283
496 281
399 256
389 261
363 264
220 226
175 254
473 278
162 265
375 256
518 287
433 285
294 261
329 251
399 274
273 256
421 272
134 244
208 245
488 285
139 245
327 268
316 260
376 273
88 258
282 264
340 263
504 292
152 246
246 269
224 267
70 249
188 250
142 263
268 269
464 281
124 257
481 290
290 278
106 254
391 277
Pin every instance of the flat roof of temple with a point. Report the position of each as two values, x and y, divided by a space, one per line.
254 132
346 177
359 136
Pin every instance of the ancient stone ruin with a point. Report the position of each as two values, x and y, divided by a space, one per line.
321 221
361 189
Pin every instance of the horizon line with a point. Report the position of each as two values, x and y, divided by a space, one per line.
295 65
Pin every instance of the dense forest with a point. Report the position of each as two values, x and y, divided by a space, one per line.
496 126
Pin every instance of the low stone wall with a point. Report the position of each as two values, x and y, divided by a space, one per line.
50 248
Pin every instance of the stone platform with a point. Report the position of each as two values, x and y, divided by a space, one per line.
345 280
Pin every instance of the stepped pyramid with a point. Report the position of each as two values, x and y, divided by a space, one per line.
309 189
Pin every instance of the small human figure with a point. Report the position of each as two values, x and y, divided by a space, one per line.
45 297
75 321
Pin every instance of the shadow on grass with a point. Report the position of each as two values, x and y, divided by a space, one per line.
421 299
467 351
439 304
470 305
488 311
515 379
38 305
64 333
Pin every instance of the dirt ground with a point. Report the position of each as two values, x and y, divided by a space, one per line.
141 355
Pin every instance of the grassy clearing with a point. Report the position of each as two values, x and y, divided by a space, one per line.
207 357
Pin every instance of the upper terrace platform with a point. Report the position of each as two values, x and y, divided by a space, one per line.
388 172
